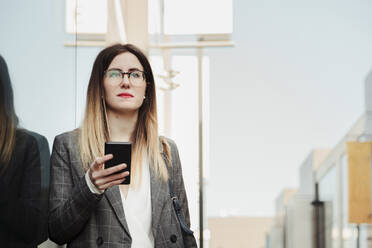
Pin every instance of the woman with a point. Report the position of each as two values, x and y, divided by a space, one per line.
89 206
23 155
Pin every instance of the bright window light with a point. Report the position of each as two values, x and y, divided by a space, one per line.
197 16
154 16
91 16
180 16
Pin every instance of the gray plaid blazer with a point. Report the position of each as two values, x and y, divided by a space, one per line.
80 218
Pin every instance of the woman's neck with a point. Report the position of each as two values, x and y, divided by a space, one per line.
121 125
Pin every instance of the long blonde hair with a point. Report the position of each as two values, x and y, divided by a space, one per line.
8 117
94 131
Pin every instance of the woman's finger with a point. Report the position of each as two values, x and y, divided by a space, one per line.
106 172
100 160
110 184
114 177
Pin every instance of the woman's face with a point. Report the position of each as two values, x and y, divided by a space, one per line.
124 94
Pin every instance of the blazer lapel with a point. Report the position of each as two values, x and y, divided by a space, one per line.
113 196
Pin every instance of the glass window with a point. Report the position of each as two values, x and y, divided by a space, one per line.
197 16
180 16
91 16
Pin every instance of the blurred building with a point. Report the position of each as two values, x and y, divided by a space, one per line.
276 236
237 232
332 179
317 215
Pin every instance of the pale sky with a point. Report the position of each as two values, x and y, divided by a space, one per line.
293 82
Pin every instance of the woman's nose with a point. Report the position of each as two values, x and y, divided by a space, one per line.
125 81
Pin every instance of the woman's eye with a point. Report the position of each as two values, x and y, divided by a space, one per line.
135 75
114 74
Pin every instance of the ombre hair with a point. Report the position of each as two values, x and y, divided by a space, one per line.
94 131
8 117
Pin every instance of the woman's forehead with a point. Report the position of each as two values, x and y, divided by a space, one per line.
126 61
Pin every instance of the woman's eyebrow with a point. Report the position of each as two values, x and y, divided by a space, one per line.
134 69
114 68
130 69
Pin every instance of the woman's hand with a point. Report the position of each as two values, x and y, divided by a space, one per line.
104 178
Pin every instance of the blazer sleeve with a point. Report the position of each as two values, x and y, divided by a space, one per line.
70 205
179 187
20 206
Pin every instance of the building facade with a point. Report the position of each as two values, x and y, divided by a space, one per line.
317 216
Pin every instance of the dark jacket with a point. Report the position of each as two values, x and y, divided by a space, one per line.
24 191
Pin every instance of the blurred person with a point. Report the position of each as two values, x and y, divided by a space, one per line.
89 207
23 156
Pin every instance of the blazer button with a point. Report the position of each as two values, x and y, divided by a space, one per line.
99 241
173 238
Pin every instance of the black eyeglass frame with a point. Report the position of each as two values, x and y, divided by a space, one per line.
128 73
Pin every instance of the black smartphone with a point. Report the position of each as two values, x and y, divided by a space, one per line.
122 152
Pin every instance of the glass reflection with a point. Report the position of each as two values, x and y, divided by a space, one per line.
24 175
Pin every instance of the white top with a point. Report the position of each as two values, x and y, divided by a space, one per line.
137 209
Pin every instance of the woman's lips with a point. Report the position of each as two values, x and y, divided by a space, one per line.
125 95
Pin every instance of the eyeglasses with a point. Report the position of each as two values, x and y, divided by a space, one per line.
116 76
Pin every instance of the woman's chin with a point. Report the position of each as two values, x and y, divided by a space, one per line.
128 108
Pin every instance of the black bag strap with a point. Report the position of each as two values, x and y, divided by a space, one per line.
176 204
177 208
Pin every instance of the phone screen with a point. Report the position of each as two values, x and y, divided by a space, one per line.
122 152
